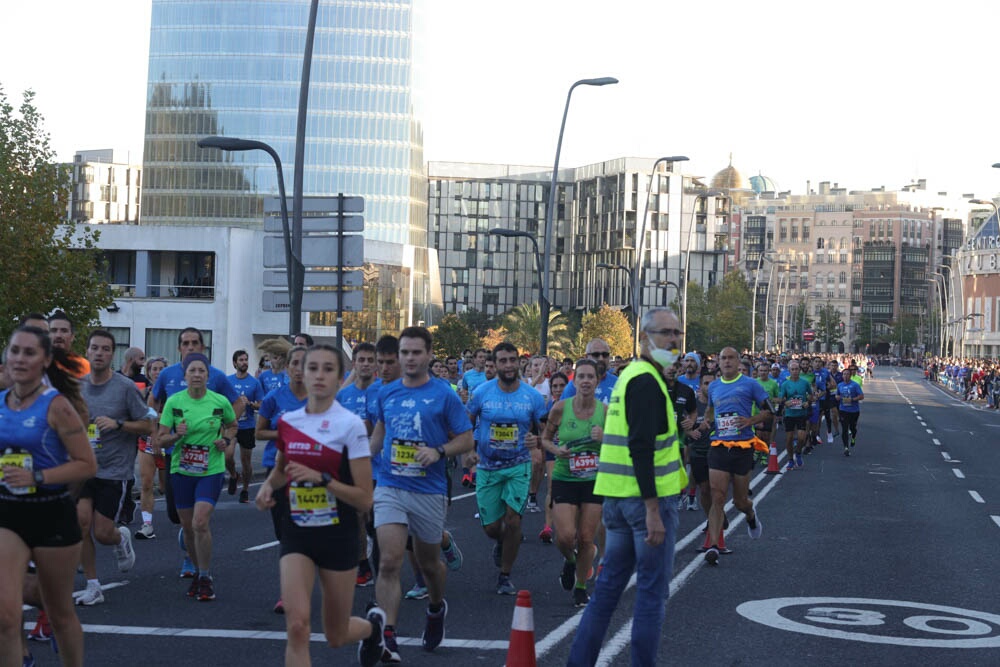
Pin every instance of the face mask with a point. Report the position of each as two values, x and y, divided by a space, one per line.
662 357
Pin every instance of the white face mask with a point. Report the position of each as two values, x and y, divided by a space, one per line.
661 356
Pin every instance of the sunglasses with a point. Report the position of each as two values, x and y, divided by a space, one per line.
666 332
598 354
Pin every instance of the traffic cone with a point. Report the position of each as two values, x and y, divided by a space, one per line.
521 649
772 462
708 541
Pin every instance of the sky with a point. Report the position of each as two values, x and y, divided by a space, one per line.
864 94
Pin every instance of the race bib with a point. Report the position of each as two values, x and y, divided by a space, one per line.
503 436
94 435
727 425
194 459
403 459
19 460
312 506
846 399
795 402
583 465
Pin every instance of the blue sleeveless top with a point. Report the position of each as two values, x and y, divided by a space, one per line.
28 432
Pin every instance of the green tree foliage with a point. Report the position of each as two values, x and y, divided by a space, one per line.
46 264
478 321
720 316
609 324
828 326
523 325
452 336
798 321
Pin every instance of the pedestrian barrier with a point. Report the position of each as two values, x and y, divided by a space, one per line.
521 648
772 462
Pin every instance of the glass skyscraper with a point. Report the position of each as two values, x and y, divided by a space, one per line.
233 68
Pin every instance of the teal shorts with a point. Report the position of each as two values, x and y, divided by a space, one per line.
496 490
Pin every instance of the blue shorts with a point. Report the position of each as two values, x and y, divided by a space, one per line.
189 489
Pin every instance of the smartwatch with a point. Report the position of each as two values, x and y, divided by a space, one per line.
39 476
120 422
440 451
327 478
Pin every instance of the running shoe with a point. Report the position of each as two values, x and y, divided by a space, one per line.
836 434
453 555
206 589
434 627
829 438
754 526
466 480
546 535
233 479
798 461
365 579
418 592
192 591
244 497
532 505
712 556
847 451
390 652
188 570
42 632
724 551
89 596
124 552
371 648
504 587
692 503
580 597
145 533
791 464
279 607
498 553
852 441
568 575
28 661
819 440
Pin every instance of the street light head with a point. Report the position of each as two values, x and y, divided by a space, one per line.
603 265
981 202
996 165
499 231
674 158
228 143
600 81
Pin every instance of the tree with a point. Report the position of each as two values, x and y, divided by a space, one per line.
493 338
46 264
523 324
729 307
698 317
610 325
478 321
452 336
829 326
798 320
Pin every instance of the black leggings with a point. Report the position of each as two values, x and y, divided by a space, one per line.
848 421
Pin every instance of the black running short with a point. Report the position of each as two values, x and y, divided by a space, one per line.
734 460
330 547
699 469
795 423
245 437
42 521
827 404
109 496
574 493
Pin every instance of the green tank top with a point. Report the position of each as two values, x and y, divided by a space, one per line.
574 434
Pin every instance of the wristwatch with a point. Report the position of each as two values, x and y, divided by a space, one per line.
327 478
120 422
440 451
39 476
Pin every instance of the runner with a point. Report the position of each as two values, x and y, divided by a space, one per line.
131 368
730 459
507 414
538 378
202 424
685 410
419 423
45 449
699 444
324 459
795 395
573 434
765 431
557 383
474 376
600 352
150 466
117 415
62 332
829 404
250 389
276 351
692 371
285 398
850 395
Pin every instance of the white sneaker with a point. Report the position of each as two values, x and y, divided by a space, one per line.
89 597
145 533
829 438
124 552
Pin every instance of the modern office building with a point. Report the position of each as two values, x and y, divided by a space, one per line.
234 69
105 187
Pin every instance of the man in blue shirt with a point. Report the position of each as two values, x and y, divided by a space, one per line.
420 421
248 387
509 414
475 376
795 395
691 376
600 352
849 397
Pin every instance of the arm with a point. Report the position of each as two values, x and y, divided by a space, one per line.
137 426
225 439
276 480
377 437
551 428
82 464
263 430
459 444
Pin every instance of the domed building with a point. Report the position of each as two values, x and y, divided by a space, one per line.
729 178
761 183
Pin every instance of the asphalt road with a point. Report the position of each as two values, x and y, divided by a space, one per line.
885 558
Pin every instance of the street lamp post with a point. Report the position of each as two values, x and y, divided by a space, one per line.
549 210
961 294
665 284
638 279
782 282
940 293
293 257
631 293
753 317
513 233
687 256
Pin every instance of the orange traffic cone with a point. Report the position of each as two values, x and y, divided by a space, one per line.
521 649
772 462
722 541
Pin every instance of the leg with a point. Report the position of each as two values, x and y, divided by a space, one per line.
741 499
428 557
548 503
246 467
187 525
654 567
511 540
298 573
589 518
88 556
56 568
565 515
147 470
718 480
14 554
201 527
392 544
339 626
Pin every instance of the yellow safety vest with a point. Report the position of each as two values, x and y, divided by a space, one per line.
615 474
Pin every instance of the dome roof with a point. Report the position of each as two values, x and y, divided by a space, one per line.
761 183
729 178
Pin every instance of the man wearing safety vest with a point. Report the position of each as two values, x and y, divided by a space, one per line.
640 475
731 399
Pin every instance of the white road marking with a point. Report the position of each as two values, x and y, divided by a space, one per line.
996 519
929 431
958 473
936 442
946 456
923 424
975 496
261 547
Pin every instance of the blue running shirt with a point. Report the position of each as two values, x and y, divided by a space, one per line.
171 380
504 418
251 388
847 391
730 399
275 404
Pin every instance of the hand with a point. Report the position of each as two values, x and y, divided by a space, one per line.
265 497
297 472
471 459
221 444
105 424
744 422
18 478
655 532
531 441
563 453
687 423
597 434
426 456
181 429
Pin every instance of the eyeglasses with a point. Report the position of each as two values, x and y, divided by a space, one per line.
598 354
666 332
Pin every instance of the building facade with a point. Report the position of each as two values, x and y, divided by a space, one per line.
106 187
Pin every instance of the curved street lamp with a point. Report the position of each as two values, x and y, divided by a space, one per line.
513 233
687 259
753 316
549 210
